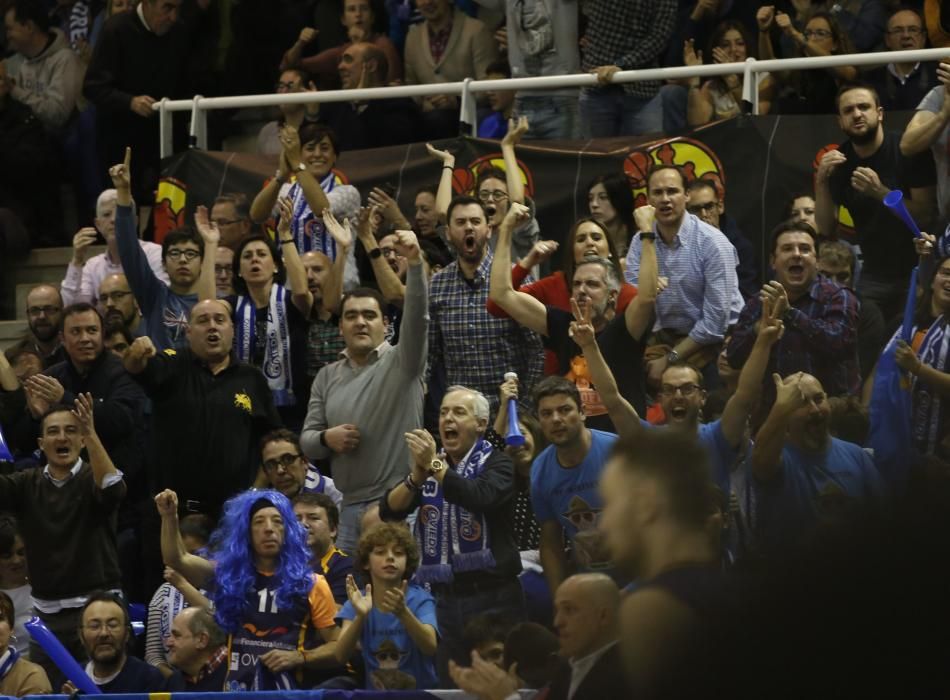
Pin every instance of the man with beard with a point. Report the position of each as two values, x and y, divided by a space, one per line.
820 318
858 175
44 316
83 277
467 345
105 631
564 480
203 397
120 306
324 341
594 296
803 476
703 298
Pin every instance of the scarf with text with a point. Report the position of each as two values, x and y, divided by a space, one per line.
307 228
929 410
452 539
276 365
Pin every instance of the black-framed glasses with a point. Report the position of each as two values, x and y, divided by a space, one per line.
702 208
189 255
816 33
114 296
492 196
686 390
47 310
286 461
223 269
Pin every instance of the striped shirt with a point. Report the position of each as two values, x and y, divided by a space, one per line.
629 34
703 298
473 347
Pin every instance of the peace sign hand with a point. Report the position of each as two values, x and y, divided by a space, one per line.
581 330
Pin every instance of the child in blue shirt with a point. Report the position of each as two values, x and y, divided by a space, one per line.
393 621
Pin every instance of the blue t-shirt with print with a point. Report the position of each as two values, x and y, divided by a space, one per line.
812 487
569 496
390 655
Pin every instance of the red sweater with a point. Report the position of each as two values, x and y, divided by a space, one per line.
552 291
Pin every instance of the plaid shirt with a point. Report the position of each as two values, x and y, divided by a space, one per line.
474 347
821 339
630 34
324 344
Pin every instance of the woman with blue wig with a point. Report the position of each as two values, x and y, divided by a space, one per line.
265 594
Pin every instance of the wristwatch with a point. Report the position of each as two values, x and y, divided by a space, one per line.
301 167
647 235
673 357
436 465
375 253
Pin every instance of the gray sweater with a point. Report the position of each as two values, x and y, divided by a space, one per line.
383 399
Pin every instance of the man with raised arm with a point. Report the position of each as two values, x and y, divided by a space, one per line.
188 259
596 286
361 405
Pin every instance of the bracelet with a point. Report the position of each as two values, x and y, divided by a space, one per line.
323 438
410 484
448 167
286 241
647 236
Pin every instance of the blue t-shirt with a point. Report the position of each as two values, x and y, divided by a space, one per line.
813 487
569 496
390 655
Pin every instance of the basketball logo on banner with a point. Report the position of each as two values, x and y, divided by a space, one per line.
696 159
464 179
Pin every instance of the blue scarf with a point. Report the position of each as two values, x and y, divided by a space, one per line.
277 349
451 538
929 414
307 229
8 661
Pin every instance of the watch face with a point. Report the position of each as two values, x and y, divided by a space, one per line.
436 465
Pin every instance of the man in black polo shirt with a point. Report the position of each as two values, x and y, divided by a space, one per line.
209 411
858 175
595 289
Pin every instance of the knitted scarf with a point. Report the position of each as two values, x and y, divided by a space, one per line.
307 229
929 411
276 366
451 538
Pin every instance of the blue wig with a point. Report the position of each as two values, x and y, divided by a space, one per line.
235 573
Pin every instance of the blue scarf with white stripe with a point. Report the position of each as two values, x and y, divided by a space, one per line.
276 366
307 229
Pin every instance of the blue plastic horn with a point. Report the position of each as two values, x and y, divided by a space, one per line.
5 455
514 437
57 652
894 200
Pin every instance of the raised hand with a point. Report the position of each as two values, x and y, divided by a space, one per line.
341 232
84 238
307 34
47 388
788 391
784 22
208 229
366 223
362 602
444 156
137 356
84 414
421 446
394 600
516 130
290 143
407 245
517 215
867 181
774 294
167 503
582 330
721 55
831 160
386 205
691 57
540 251
34 402
508 390
644 217
173 577
286 208
764 17
925 244
770 328
121 174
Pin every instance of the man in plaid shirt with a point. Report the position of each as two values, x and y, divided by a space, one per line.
467 345
624 35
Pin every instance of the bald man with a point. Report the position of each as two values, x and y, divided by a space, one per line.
209 410
803 476
586 618
119 305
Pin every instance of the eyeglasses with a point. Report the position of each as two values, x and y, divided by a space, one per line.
387 251
816 33
912 31
114 296
702 208
492 196
686 390
96 626
286 461
189 255
223 269
42 310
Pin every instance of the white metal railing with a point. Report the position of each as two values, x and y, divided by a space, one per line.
467 89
